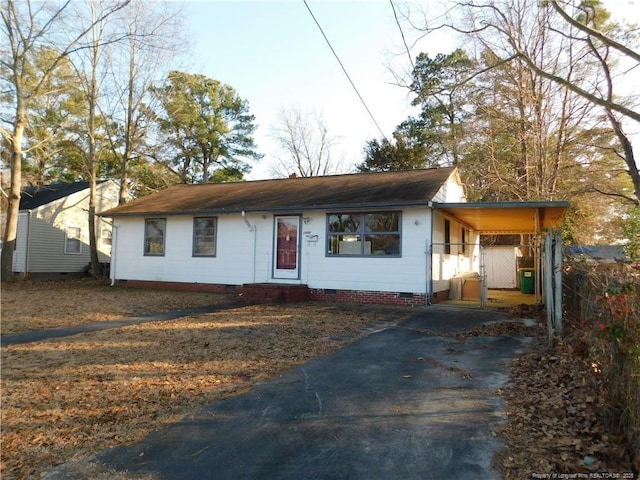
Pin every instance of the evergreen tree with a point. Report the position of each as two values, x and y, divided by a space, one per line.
207 127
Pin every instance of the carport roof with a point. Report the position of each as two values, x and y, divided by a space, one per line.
501 218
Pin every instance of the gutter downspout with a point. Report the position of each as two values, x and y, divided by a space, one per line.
28 247
114 241
429 259
254 229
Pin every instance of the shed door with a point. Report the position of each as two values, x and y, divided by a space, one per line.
501 267
286 258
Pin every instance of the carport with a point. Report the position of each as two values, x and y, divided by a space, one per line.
542 221
503 218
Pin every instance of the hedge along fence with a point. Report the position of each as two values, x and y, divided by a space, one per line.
602 305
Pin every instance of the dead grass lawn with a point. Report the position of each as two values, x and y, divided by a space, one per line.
30 306
67 398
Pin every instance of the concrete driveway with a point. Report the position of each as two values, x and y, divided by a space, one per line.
407 402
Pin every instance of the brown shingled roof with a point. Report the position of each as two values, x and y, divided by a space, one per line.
414 187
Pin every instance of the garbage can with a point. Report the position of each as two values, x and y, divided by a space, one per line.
527 280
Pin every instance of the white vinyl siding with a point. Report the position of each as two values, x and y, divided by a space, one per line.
244 251
234 262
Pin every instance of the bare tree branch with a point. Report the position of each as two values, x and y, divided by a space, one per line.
595 33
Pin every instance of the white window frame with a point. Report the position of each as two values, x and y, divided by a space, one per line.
70 238
106 240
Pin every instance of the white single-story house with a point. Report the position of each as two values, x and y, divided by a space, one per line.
390 237
53 228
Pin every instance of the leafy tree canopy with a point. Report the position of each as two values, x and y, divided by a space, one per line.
407 151
207 126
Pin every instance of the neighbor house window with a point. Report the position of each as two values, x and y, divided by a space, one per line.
72 240
363 234
106 237
154 233
204 237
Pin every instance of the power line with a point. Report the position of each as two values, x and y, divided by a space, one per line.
345 70
406 47
404 41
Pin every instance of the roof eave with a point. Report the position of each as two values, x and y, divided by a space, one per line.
523 204
279 209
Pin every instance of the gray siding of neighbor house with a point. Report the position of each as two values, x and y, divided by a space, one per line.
20 253
46 233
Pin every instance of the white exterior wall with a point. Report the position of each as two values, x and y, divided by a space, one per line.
446 265
234 260
232 265
407 273
452 191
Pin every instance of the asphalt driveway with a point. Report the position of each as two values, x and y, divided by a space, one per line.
407 402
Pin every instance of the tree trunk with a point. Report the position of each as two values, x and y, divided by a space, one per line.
92 161
13 204
128 132
628 154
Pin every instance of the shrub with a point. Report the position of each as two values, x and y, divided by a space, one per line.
602 305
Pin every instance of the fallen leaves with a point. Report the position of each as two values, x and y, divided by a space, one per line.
557 418
67 398
503 329
28 306
70 397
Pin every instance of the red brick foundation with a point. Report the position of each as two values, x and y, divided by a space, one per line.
365 296
318 294
273 293
182 286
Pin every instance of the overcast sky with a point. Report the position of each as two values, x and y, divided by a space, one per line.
273 54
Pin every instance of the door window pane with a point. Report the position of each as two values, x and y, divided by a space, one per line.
287 244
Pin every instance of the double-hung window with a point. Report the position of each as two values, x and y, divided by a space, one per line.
154 235
204 236
363 234
106 237
72 240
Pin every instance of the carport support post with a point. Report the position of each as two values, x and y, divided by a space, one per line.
548 283
557 277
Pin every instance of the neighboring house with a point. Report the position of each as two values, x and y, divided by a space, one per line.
361 237
597 253
53 228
